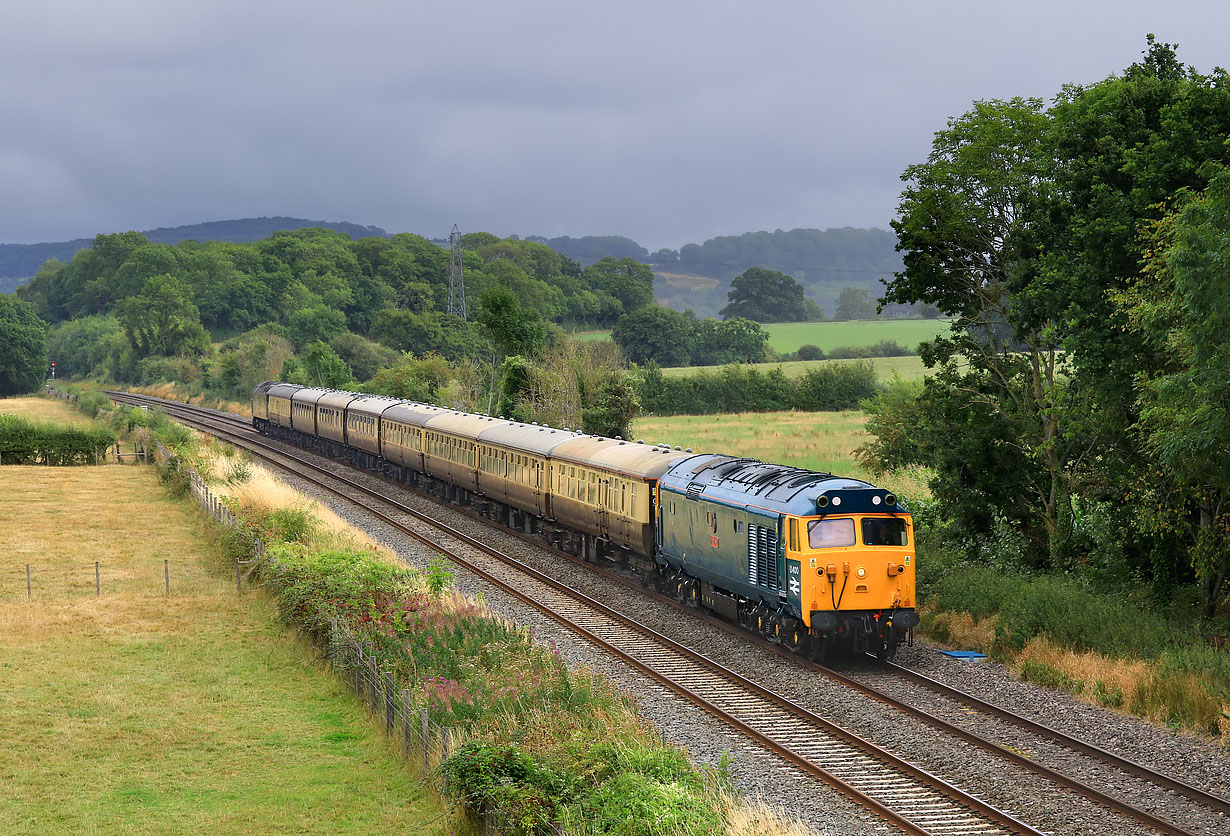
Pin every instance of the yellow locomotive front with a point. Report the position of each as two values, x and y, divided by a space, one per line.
858 581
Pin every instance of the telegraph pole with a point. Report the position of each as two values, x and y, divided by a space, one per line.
456 276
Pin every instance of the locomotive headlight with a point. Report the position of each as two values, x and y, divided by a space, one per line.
875 500
862 573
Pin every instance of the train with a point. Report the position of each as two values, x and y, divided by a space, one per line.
811 561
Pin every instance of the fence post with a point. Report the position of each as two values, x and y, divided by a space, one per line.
238 579
390 705
443 758
405 724
97 581
374 671
423 719
166 572
29 594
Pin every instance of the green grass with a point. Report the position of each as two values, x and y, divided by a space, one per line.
786 337
907 368
133 713
822 441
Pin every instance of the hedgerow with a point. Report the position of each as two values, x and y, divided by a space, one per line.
32 442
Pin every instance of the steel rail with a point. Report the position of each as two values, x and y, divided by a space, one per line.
1138 770
927 809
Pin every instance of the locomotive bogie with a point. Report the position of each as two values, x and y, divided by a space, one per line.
805 559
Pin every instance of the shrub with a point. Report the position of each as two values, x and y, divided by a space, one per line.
28 442
810 352
850 352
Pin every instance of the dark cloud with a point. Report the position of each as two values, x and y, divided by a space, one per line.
668 122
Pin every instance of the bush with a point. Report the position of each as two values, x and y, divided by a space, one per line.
810 352
850 352
28 442
746 389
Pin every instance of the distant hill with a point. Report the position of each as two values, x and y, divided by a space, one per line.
590 248
18 262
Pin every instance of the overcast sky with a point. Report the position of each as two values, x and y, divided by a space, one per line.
668 122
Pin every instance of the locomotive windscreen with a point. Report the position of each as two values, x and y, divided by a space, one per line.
884 532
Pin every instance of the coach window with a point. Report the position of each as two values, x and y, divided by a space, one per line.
794 535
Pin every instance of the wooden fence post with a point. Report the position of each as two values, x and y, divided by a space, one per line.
29 593
238 579
97 581
405 724
443 758
166 572
390 705
423 719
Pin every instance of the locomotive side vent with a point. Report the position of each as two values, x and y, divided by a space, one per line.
762 557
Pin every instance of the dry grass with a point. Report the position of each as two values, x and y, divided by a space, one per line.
759 818
134 713
175 392
44 409
823 441
960 631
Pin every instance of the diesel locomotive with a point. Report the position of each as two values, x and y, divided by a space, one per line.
809 560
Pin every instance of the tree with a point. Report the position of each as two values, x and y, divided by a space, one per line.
1180 306
323 367
764 295
162 320
23 354
615 404
364 357
317 323
655 333
968 226
735 340
625 279
412 378
511 327
854 303
79 346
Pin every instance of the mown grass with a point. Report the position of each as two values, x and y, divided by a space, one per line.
906 368
822 441
133 713
44 409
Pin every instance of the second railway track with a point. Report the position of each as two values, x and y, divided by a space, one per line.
911 798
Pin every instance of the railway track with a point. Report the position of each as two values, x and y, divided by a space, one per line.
913 799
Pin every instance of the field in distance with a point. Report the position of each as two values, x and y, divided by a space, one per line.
197 713
822 441
785 337
906 368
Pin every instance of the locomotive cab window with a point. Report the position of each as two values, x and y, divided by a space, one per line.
829 534
884 532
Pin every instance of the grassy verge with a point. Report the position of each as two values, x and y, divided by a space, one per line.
821 441
1110 650
543 743
135 713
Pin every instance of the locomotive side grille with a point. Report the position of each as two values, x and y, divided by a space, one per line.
762 557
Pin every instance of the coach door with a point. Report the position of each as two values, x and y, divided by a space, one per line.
604 504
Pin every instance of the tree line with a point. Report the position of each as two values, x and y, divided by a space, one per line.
1078 407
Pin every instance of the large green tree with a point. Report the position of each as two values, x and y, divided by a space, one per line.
655 333
162 320
764 295
23 354
1180 307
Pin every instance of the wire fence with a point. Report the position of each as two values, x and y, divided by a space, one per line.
399 710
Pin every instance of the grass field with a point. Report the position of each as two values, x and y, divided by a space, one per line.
44 409
135 713
822 441
906 368
785 337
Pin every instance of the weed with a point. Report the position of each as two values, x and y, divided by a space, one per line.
439 576
1050 677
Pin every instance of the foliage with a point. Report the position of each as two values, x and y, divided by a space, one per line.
412 378
323 367
29 442
764 295
654 333
364 357
746 389
614 406
80 347
511 327
23 355
854 303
